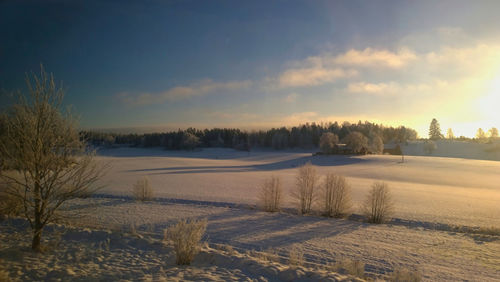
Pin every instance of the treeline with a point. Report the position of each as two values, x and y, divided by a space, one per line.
303 136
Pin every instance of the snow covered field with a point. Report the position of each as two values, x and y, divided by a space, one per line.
133 250
428 189
432 194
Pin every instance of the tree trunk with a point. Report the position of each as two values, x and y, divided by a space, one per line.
37 226
37 236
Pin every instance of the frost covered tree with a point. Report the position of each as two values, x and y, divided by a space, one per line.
376 144
327 142
356 141
190 141
449 134
435 130
379 205
306 182
271 194
45 161
480 134
493 132
337 196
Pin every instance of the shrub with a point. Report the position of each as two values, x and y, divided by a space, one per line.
337 201
295 256
186 237
271 194
378 205
405 275
352 267
305 184
142 190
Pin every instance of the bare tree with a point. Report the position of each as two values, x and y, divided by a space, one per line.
271 194
337 198
46 162
305 184
141 190
378 205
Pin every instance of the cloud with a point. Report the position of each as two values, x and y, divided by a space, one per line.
312 76
478 59
232 116
366 84
181 92
291 98
374 88
302 117
375 58
329 68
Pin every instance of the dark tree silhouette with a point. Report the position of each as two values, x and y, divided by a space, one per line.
435 130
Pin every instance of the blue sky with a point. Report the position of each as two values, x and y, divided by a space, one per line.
257 64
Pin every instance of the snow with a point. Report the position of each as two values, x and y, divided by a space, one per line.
431 189
95 255
113 237
132 248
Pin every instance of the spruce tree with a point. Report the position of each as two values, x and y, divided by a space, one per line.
435 130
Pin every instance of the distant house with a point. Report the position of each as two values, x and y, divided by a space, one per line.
344 149
393 150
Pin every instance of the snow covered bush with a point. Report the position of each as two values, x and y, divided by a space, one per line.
352 267
378 205
305 184
186 237
142 191
271 194
405 275
295 256
337 198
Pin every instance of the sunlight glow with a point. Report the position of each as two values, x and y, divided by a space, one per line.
489 103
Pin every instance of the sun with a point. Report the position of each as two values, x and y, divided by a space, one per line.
489 104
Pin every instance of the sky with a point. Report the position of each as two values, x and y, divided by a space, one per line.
164 65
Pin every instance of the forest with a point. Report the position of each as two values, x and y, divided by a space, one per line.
303 136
